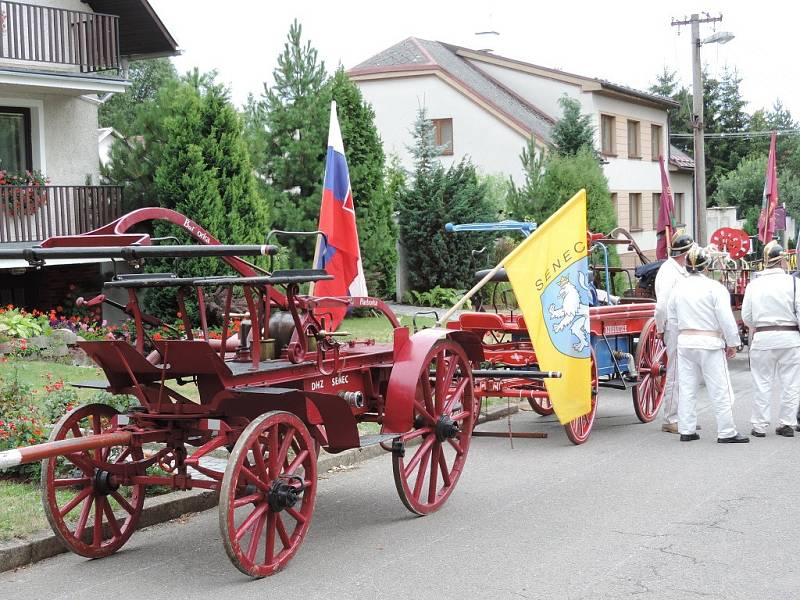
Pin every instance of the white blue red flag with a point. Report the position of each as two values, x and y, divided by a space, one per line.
339 254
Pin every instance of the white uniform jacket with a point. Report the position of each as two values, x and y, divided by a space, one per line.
701 304
773 298
669 274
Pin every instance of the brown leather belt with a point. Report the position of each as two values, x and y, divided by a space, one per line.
777 328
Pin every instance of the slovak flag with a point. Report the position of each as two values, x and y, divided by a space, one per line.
341 255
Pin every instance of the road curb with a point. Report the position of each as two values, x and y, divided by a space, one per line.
167 507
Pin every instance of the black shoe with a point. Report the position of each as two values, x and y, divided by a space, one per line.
737 439
690 437
755 433
785 431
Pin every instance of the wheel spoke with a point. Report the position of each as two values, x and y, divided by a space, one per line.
456 446
285 539
250 520
456 395
272 459
283 451
427 392
123 502
424 448
59 483
87 507
416 433
298 460
248 474
97 530
82 463
445 471
423 468
245 500
269 552
258 457
252 547
439 393
297 516
434 471
424 412
68 508
112 519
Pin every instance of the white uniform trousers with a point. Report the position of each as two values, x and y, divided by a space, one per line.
670 401
775 370
695 365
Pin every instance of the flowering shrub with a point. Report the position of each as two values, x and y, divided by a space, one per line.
28 196
23 430
57 400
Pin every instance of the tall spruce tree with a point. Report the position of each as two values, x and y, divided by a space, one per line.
680 118
724 154
434 197
192 159
573 131
146 77
526 201
295 125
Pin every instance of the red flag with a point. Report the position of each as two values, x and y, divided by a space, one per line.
766 221
665 225
339 254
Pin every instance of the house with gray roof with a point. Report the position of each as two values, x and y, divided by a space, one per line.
486 107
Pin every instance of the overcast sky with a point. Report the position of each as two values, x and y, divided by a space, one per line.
627 42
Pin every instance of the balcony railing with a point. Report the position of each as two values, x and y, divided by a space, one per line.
34 213
88 40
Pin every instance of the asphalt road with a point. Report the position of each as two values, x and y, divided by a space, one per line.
632 513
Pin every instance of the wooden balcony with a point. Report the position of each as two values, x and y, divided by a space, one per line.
33 33
34 213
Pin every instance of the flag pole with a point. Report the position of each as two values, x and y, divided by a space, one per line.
475 289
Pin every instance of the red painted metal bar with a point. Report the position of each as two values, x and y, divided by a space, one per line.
29 454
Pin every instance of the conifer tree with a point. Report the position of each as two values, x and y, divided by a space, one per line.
295 115
573 130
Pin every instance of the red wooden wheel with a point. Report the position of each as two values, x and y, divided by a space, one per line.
444 415
541 406
733 241
268 493
578 430
651 362
87 508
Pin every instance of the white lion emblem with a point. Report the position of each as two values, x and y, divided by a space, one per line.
572 313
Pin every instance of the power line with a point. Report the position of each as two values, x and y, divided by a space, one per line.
737 134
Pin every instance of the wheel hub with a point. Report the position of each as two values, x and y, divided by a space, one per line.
104 483
446 428
282 494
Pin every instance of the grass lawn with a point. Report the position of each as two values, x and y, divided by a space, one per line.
21 511
34 373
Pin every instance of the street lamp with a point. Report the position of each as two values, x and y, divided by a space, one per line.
721 37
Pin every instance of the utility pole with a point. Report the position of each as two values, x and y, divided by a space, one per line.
697 123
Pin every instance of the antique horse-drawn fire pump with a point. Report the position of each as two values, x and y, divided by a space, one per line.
626 353
272 395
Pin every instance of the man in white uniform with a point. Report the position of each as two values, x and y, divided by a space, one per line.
707 333
669 274
770 308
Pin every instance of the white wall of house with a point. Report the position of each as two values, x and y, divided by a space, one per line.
63 136
682 182
491 144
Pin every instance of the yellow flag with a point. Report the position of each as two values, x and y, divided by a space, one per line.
549 272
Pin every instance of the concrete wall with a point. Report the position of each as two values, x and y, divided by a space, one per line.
65 135
493 146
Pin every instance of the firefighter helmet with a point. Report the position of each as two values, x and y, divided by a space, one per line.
697 260
773 254
681 243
